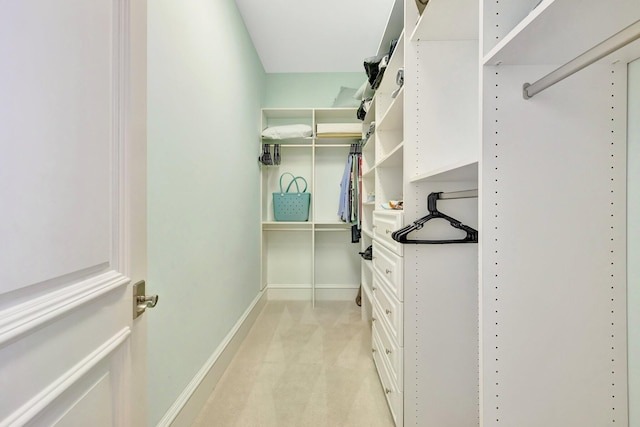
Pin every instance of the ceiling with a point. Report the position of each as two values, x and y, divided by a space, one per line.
305 36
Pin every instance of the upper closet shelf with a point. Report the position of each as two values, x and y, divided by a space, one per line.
392 119
557 31
436 22
463 171
389 81
395 24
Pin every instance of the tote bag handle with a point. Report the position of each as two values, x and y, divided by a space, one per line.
294 179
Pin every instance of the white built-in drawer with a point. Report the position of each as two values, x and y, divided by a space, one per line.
384 224
389 266
391 390
390 309
391 352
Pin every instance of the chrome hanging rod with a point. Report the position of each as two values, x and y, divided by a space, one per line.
466 194
610 45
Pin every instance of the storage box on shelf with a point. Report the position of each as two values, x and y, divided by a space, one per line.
324 262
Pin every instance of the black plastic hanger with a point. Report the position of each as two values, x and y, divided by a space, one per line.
432 200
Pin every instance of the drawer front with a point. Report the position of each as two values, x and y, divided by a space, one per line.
393 394
390 267
390 309
390 352
384 224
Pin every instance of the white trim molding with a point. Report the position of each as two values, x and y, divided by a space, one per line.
42 400
24 318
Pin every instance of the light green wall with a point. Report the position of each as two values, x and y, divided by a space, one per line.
205 89
633 243
308 90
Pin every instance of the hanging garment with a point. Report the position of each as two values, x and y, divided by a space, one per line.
350 188
343 207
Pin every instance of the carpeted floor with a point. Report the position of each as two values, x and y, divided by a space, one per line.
301 367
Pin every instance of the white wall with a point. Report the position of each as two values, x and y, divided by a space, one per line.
205 88
633 242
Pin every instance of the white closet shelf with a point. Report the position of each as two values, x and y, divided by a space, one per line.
396 62
370 172
371 113
392 119
343 145
285 145
332 224
557 31
393 159
436 21
466 170
395 25
286 225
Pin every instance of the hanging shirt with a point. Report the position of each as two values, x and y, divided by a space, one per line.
345 186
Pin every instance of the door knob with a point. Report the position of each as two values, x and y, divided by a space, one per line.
148 301
141 301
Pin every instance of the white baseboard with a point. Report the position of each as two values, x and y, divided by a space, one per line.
304 294
193 398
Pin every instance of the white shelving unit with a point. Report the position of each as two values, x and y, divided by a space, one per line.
441 149
553 289
383 163
312 259
536 312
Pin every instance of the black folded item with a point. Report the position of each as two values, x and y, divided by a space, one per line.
392 47
368 253
355 234
372 68
363 109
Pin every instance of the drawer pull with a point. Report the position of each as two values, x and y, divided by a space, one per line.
386 350
388 271
387 390
373 319
374 288
388 311
387 231
373 350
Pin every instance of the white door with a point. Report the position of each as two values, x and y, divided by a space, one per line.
72 211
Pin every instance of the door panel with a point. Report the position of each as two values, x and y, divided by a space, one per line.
58 103
72 239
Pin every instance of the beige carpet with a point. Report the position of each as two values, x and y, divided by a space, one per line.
301 367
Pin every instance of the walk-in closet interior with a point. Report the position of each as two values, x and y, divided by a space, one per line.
493 176
336 213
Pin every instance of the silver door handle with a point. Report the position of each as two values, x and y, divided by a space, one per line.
148 301
141 301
